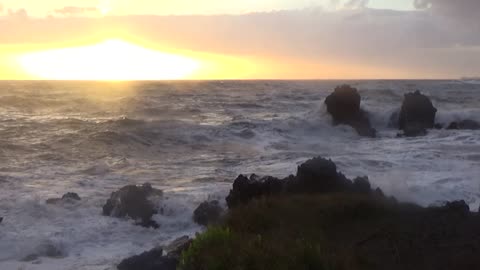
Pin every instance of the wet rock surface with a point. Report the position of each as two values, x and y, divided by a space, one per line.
208 213
134 202
69 197
315 176
150 260
465 124
417 114
46 249
344 106
155 258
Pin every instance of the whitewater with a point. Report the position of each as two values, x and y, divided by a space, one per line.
191 139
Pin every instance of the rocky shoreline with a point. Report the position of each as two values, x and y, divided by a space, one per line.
385 234
315 219
368 226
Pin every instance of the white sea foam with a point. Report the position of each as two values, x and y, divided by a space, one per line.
191 140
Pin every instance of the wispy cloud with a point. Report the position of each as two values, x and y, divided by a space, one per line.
73 10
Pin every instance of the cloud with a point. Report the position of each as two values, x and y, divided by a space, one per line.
360 42
460 9
1 8
73 10
356 4
347 4
19 14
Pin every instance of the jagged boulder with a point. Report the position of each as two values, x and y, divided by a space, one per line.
344 106
149 260
459 208
244 189
417 114
155 260
178 246
319 175
465 124
208 213
69 197
362 185
134 202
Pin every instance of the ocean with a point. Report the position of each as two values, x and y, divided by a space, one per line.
191 139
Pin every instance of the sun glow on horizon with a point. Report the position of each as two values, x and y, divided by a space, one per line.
112 60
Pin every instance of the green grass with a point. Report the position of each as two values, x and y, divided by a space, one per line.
311 232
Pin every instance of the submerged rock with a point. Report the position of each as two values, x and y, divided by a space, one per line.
413 131
208 213
344 106
134 202
465 124
69 197
438 126
46 249
417 114
150 260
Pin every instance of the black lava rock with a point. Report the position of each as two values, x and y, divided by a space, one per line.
465 124
150 260
417 113
134 202
69 197
413 131
208 213
244 189
459 207
344 106
362 185
319 175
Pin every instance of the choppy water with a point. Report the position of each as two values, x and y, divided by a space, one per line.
192 139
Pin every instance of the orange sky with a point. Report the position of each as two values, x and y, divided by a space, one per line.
331 42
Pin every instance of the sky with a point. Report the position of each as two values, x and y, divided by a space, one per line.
248 39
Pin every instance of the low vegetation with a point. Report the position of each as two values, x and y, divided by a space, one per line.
336 232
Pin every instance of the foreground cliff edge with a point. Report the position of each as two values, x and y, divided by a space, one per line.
319 219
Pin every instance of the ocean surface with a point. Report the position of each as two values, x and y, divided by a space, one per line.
191 139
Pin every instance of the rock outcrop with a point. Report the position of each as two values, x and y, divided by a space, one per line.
176 248
155 260
317 175
70 197
416 115
244 188
149 260
344 106
208 213
134 202
465 124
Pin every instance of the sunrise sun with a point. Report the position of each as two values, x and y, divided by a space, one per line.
109 60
